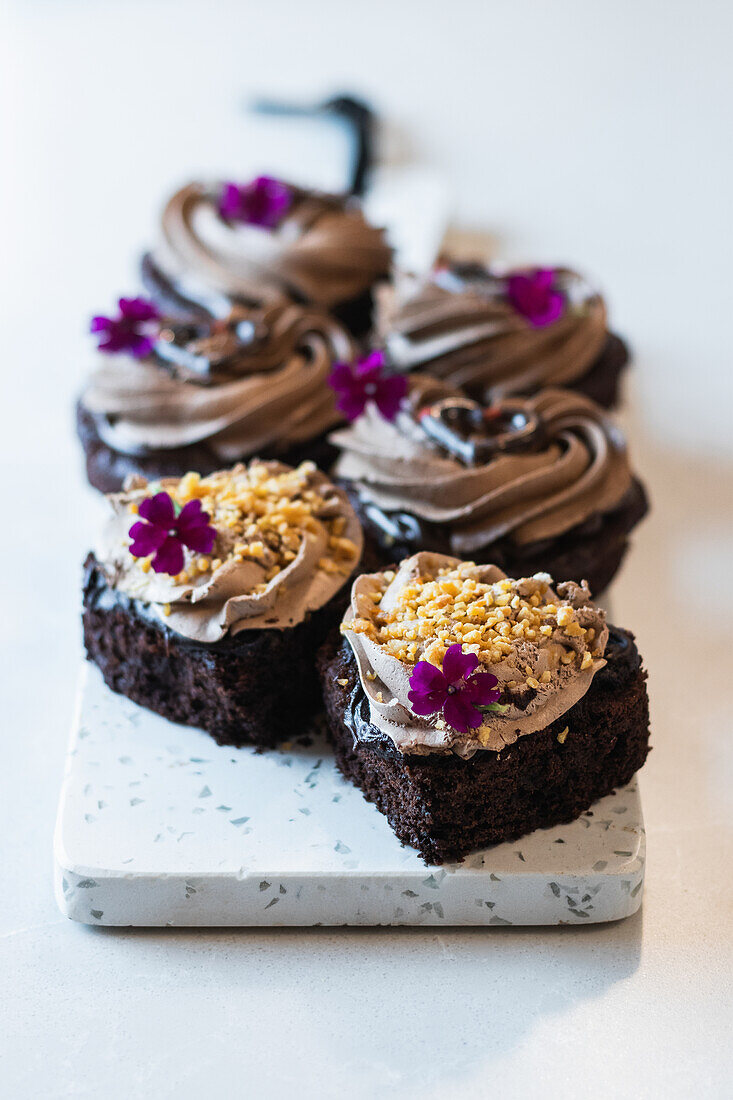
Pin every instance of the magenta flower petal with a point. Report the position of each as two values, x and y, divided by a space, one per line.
351 405
533 294
146 539
357 384
158 510
373 363
138 309
340 377
200 539
481 689
229 201
457 665
193 529
390 395
427 677
428 689
169 558
425 705
140 346
134 330
460 713
191 515
264 202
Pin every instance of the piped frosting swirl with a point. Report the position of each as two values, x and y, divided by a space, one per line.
286 540
577 468
324 251
544 647
458 325
277 398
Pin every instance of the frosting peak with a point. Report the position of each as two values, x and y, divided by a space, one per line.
286 539
323 250
459 325
543 646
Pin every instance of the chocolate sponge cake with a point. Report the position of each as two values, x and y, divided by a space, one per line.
206 598
472 708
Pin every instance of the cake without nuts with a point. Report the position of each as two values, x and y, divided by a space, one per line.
472 707
169 395
252 242
204 596
494 333
529 484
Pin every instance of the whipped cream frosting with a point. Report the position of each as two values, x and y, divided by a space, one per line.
463 329
561 663
579 469
280 397
323 251
242 587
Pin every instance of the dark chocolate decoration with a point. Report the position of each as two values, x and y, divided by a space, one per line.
202 350
475 434
397 527
359 119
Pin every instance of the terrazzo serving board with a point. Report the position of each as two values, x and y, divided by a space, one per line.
158 825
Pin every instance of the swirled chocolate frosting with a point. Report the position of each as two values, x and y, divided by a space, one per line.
544 652
324 251
274 394
286 541
574 468
459 325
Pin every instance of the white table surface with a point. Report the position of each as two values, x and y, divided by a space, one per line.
590 133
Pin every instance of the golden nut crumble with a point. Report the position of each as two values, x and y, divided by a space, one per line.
261 515
432 613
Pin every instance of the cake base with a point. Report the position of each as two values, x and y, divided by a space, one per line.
446 807
159 826
592 552
107 469
256 688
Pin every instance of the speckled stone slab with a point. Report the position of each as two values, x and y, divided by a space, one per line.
159 826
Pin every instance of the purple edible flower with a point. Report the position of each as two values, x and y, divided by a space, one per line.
134 330
163 533
359 383
454 690
264 201
534 295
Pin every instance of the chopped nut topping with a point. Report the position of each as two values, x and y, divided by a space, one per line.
263 516
431 613
563 734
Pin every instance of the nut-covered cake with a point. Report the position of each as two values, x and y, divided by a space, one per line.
530 484
206 597
473 708
169 395
248 242
494 332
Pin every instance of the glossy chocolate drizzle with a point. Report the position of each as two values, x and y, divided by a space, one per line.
203 350
475 434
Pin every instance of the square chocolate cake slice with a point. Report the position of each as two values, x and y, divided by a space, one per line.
472 708
206 598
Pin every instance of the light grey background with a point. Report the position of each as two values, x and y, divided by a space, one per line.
592 133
